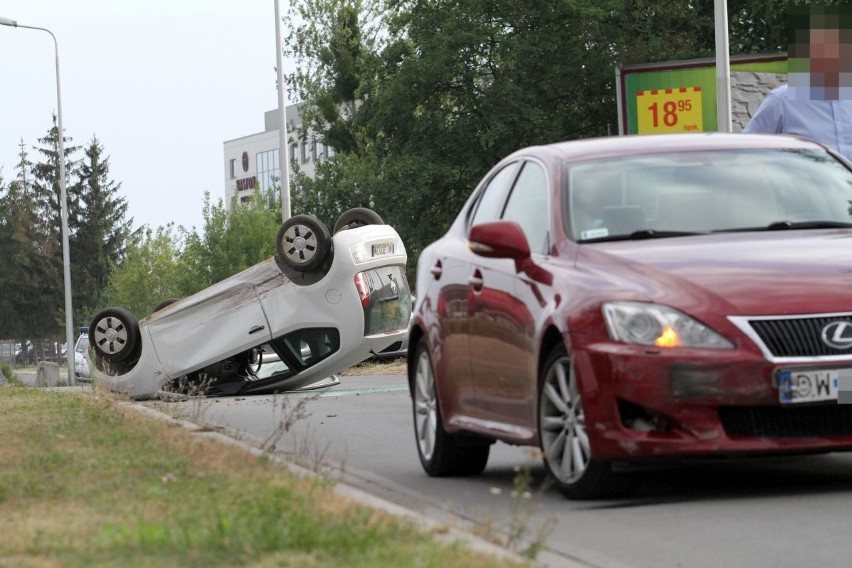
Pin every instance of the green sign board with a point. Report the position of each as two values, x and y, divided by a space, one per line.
678 96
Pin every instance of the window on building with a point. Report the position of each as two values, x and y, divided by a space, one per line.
304 151
268 171
233 168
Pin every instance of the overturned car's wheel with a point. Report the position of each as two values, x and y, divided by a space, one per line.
303 243
164 304
565 441
357 217
114 334
441 453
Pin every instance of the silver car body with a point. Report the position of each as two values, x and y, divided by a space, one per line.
258 305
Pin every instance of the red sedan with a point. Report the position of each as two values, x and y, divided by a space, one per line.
616 300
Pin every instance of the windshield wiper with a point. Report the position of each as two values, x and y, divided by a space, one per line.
644 234
787 225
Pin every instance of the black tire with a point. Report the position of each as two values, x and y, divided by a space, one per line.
442 454
114 334
564 439
164 304
303 243
357 217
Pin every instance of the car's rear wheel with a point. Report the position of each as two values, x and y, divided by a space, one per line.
114 334
357 217
564 439
441 453
303 243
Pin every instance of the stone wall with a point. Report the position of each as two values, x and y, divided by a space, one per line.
748 89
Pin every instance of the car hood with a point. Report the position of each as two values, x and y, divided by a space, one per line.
741 273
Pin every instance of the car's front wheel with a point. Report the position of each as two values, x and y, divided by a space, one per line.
303 243
441 453
564 438
114 334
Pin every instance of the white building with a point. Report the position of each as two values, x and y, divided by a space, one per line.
253 159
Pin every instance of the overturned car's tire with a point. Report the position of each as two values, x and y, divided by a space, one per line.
164 304
303 243
114 334
357 217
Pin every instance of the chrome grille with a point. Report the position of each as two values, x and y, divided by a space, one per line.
797 337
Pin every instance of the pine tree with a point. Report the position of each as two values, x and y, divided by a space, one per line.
48 208
28 278
100 232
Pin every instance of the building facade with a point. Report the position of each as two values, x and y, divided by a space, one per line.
253 160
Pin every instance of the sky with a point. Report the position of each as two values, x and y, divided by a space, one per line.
162 84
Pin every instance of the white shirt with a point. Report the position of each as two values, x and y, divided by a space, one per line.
828 122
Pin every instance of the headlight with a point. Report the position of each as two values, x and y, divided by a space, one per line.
661 326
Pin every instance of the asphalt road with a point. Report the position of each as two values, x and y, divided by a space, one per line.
744 513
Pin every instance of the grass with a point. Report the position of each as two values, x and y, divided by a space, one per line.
375 367
87 481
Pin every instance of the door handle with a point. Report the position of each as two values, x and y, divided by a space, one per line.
475 281
257 328
436 270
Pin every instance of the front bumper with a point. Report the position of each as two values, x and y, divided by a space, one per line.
643 402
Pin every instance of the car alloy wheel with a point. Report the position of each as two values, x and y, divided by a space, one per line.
441 453
114 334
564 439
303 243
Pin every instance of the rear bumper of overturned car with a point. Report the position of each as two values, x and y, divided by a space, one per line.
649 403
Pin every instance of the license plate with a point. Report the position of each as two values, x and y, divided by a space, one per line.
382 249
796 386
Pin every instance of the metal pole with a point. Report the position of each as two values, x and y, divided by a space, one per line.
723 67
66 256
283 151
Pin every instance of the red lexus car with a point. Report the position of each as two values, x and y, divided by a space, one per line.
617 300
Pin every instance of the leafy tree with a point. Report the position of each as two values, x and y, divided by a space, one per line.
173 262
149 272
231 242
99 238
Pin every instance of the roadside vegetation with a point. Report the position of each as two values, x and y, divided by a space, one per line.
88 481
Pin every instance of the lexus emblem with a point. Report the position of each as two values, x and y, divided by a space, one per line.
838 334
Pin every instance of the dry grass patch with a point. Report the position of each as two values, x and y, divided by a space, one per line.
87 481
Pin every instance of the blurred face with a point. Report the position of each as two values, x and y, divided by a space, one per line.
825 61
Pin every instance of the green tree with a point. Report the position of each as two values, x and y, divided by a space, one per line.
28 277
100 236
150 271
47 195
172 262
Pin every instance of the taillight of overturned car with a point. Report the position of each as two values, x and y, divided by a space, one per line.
363 289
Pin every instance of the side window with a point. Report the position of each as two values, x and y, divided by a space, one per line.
493 197
528 207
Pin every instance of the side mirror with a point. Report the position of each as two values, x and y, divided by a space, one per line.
500 239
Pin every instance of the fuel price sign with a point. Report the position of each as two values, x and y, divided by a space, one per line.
669 110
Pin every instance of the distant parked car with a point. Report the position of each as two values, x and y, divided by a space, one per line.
322 304
81 365
621 300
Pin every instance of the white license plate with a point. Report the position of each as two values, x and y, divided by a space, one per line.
809 385
382 249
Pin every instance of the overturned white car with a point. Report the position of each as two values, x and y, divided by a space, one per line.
322 304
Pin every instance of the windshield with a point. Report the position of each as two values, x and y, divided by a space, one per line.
700 192
82 344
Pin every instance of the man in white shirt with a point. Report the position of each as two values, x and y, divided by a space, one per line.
817 101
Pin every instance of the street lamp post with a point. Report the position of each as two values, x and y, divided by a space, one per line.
66 257
283 153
